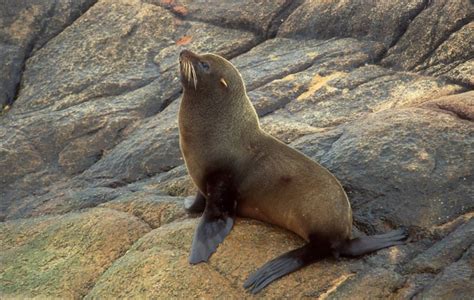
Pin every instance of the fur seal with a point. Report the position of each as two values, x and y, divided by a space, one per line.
241 170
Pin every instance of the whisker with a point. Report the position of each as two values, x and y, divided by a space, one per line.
185 73
190 75
189 70
194 77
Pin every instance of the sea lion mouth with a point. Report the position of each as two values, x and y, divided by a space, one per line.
188 72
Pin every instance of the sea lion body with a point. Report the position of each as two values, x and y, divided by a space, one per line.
240 169
285 188
277 184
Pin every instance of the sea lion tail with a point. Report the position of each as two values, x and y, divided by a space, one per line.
287 263
367 244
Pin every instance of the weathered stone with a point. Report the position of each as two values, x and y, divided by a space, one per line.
340 97
63 256
152 148
26 26
60 199
287 130
279 57
279 92
378 283
445 252
117 59
453 58
260 17
11 60
455 281
382 21
153 209
431 28
459 105
175 182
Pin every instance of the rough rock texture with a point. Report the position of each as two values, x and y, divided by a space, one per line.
25 26
382 21
92 179
63 256
443 29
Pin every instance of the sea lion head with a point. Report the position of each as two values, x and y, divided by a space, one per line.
209 73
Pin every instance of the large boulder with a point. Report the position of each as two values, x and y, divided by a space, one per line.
63 256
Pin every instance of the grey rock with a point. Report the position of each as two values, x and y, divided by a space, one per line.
261 17
454 282
25 26
454 58
11 61
445 252
382 21
436 23
341 97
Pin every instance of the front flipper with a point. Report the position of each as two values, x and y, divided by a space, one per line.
218 217
209 234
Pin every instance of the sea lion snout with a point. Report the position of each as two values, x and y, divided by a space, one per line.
187 70
186 54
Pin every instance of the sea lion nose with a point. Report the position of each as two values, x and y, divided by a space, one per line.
186 54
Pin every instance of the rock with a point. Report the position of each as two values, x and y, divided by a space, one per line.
438 23
118 59
453 59
25 26
340 97
63 256
152 209
262 17
11 60
378 283
455 281
459 105
61 199
445 252
175 182
378 21
279 57
152 148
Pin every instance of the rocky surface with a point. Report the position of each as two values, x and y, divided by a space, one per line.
92 180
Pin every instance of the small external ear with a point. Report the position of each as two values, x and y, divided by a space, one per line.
223 82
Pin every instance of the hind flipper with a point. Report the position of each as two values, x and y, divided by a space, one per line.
285 264
391 235
363 245
195 204
218 217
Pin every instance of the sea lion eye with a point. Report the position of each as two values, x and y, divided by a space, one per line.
204 66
